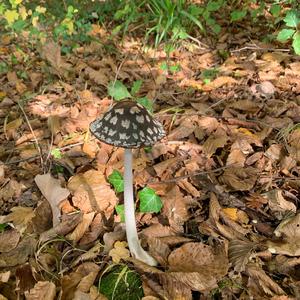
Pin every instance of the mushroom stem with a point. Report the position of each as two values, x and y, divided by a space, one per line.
131 232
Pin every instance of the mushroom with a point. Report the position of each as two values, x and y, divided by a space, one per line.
129 125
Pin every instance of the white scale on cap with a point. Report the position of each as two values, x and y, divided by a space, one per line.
129 125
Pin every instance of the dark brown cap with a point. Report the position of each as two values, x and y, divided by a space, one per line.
129 125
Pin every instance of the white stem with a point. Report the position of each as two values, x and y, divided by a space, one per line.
132 237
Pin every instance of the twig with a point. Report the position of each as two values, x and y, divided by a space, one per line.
255 47
189 175
33 134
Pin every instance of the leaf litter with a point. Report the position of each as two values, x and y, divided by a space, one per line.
227 175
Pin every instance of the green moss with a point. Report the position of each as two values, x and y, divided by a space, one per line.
121 283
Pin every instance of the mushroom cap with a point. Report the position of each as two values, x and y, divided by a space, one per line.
129 125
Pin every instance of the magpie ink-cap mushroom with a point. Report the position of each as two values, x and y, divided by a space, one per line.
129 125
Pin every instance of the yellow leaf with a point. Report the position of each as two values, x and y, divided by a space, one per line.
119 252
69 24
2 95
23 12
11 16
35 21
40 9
231 213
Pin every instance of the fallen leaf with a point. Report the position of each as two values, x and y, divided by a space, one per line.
81 228
260 284
53 192
45 290
20 254
9 239
215 141
20 216
278 205
198 266
218 82
239 179
92 193
119 252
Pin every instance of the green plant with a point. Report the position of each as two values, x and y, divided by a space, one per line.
116 180
35 22
120 283
149 200
118 91
169 20
209 74
292 32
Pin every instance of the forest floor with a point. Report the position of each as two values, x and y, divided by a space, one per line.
227 171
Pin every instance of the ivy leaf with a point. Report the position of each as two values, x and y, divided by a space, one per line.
237 15
285 34
136 87
120 209
118 91
275 10
292 18
149 201
117 181
146 103
296 43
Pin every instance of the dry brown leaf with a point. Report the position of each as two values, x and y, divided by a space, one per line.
159 250
100 77
92 193
236 157
20 216
246 106
20 254
89 255
166 168
185 128
89 271
82 227
239 253
54 125
175 207
260 284
119 252
45 290
198 266
158 230
51 51
4 276
274 152
2 173
97 228
10 129
278 205
110 238
25 278
175 287
218 82
239 179
69 222
53 192
294 149
215 141
9 239
289 231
